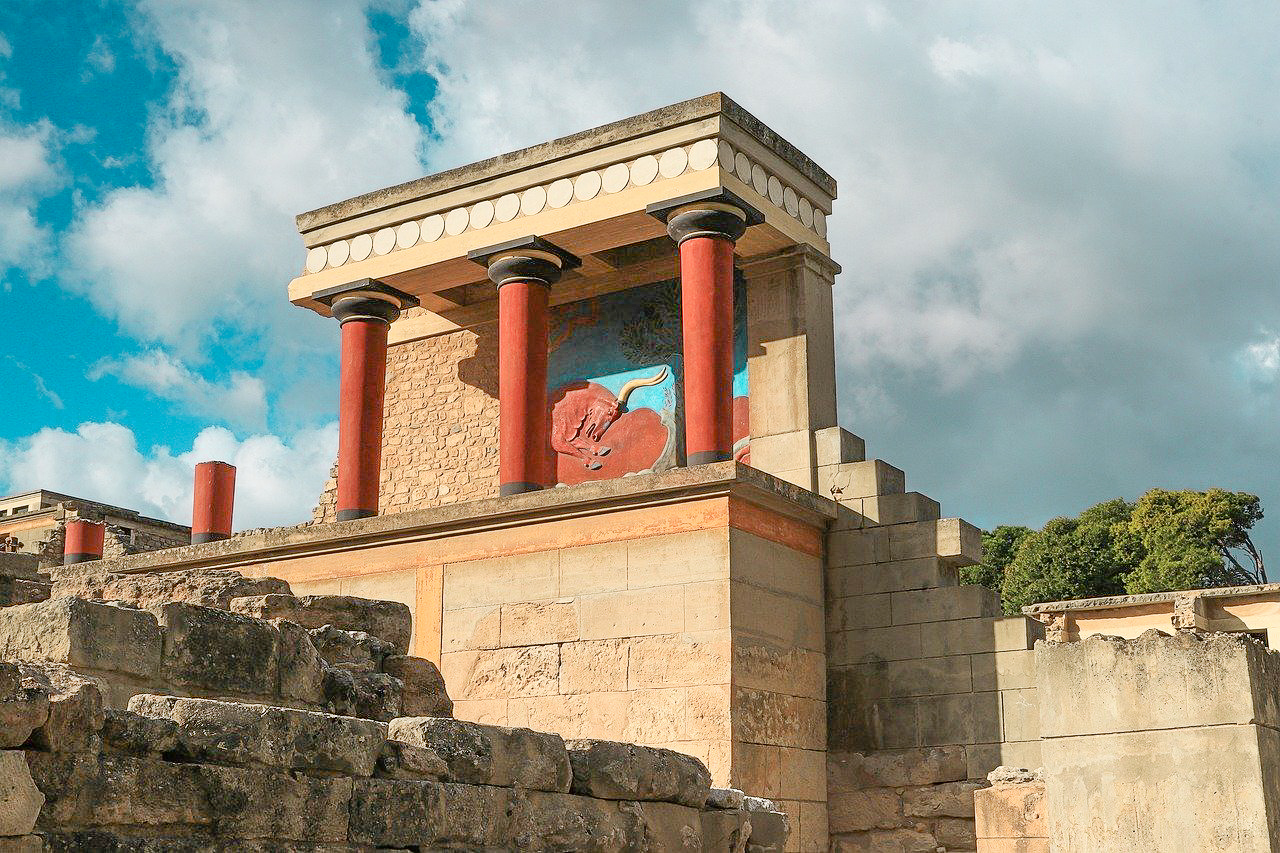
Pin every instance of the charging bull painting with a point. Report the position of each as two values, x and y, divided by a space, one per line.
614 378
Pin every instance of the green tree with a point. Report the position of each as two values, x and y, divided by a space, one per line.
998 547
1189 540
1070 558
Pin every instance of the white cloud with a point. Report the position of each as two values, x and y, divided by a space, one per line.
277 481
240 401
278 107
1261 359
30 169
101 59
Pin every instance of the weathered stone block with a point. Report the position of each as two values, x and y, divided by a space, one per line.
405 761
371 695
858 811
503 673
536 623
591 666
852 770
129 733
426 815
206 587
213 649
263 735
725 830
20 799
354 650
389 621
75 707
725 798
23 708
944 604
1014 809
490 755
82 634
780 720
300 668
679 660
84 790
769 829
424 688
622 771
949 799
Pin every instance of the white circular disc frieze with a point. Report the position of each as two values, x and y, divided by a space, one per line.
790 203
615 178
456 221
820 223
560 193
482 214
702 154
644 170
759 179
384 241
506 208
742 165
775 190
673 162
586 186
361 246
432 228
724 153
533 200
407 234
806 213
339 252
317 257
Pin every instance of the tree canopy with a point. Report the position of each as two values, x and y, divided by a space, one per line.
1166 540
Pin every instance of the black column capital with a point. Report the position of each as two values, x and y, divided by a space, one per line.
525 259
366 299
710 213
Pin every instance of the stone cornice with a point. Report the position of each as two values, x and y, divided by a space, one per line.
725 479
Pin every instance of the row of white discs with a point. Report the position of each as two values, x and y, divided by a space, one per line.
645 170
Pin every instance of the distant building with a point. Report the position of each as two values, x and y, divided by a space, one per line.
33 523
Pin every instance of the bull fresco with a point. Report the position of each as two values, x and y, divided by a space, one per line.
614 378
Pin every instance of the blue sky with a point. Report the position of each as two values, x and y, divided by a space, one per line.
1059 224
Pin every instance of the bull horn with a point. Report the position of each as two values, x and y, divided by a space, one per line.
640 383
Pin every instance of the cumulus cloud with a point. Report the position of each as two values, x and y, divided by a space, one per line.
1056 237
278 107
241 400
30 169
277 481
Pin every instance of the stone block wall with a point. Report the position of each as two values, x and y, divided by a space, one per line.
1161 743
440 428
1011 815
174 772
930 688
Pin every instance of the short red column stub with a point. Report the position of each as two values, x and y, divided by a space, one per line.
213 501
82 541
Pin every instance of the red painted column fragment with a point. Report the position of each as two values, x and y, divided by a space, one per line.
524 271
82 541
706 311
366 310
523 462
213 502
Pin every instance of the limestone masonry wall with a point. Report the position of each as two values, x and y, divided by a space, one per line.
440 427
94 757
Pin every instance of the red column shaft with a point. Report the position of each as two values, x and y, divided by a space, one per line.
523 461
214 500
82 541
706 311
362 387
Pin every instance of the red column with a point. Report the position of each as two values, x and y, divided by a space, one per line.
523 464
82 541
214 499
362 386
366 310
706 310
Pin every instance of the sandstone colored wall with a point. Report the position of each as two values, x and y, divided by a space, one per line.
1161 743
1012 815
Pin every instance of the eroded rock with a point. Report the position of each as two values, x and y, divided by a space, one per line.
490 755
626 771
389 621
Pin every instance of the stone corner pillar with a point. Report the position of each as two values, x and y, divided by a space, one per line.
706 226
213 500
523 271
82 541
365 310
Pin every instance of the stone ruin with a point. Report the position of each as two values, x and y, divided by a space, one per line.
204 710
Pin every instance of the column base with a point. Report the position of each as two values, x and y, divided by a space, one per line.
68 559
706 457
353 514
200 538
518 488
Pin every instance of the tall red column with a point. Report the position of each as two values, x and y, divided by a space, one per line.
82 541
366 310
524 271
706 231
213 502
